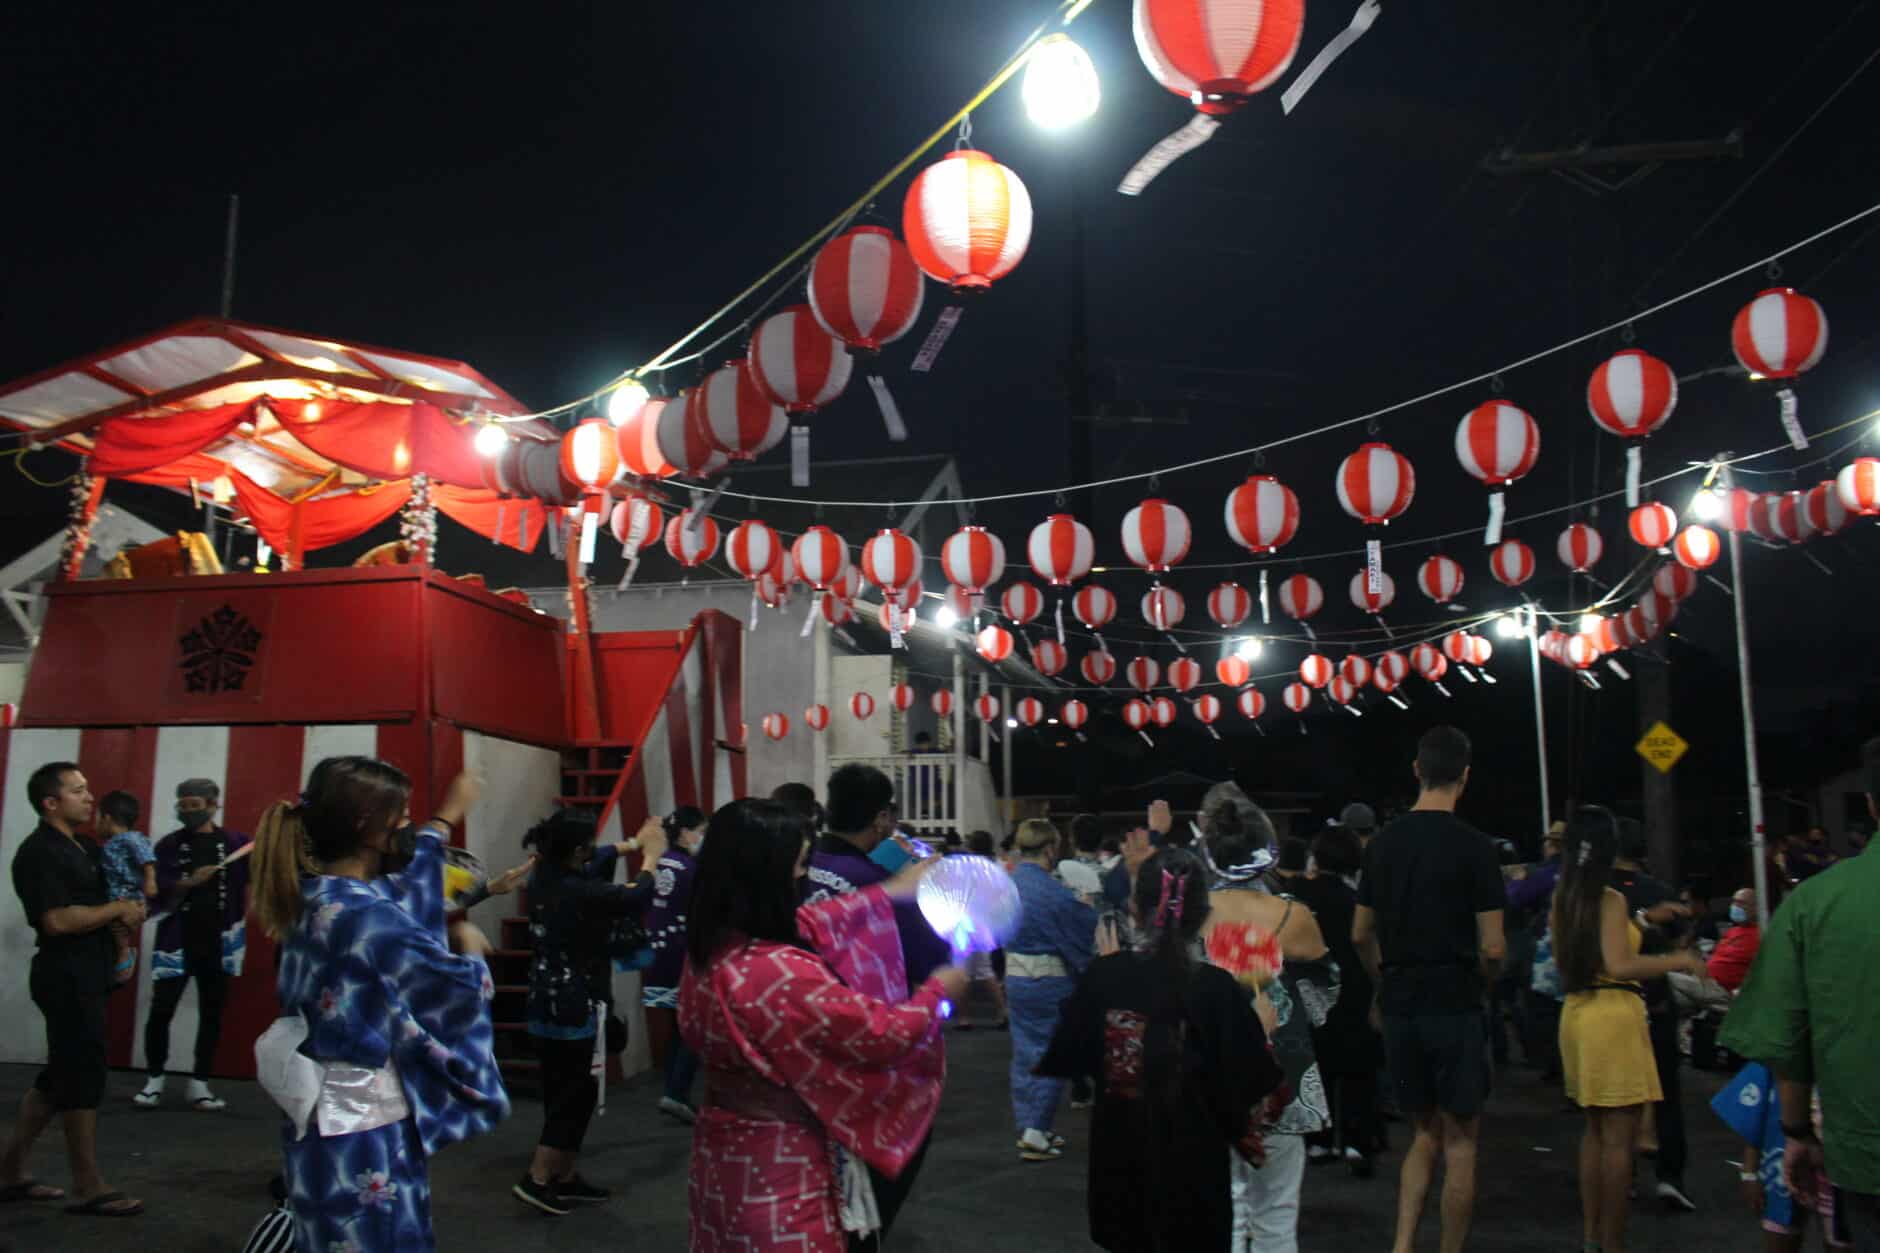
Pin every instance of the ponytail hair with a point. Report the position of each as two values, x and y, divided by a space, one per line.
679 821
1171 904
348 800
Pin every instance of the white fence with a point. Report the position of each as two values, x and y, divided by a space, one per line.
926 788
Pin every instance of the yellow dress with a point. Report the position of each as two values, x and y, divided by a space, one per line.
1606 1046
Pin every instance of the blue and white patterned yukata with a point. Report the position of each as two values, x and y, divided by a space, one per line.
1054 924
368 968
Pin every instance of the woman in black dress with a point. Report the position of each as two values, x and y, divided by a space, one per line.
1349 1050
1181 1065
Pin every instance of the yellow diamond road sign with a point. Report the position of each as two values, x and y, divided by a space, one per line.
1661 746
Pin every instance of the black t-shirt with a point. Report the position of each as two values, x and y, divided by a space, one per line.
1427 875
1641 891
202 906
53 870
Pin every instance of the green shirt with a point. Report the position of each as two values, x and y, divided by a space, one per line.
1810 1010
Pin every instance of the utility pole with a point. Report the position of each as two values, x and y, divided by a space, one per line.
1653 683
228 255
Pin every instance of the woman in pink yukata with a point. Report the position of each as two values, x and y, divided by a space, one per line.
813 1062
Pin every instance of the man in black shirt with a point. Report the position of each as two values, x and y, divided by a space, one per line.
1429 929
60 880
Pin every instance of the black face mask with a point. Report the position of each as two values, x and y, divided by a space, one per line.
400 847
194 819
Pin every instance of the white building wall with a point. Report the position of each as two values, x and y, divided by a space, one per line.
22 1030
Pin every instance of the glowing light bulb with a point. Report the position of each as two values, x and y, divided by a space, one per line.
1247 649
1508 626
1590 623
1011 722
945 618
490 439
1060 87
625 401
1706 506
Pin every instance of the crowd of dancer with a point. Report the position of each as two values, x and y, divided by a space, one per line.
785 960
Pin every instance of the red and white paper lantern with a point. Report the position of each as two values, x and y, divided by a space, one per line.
1021 602
1029 710
637 441
816 717
836 611
753 548
1136 714
1216 54
1229 605
1184 674
994 643
1440 578
1697 547
683 440
1155 535
1632 393
1163 711
1097 668
1480 650
1512 563
1300 596
776 726
1207 708
821 557
1675 580
1580 547
1251 702
1262 514
1163 608
1233 671
691 546
987 707
897 619
636 509
1858 485
1315 670
901 696
862 705
891 560
1061 550
1143 673
1497 443
797 362
1297 697
1049 658
973 558
1094 606
1342 690
957 601
1074 714
865 289
967 220
1355 670
1375 484
1581 651
590 456
1652 525
1827 514
1456 646
1779 334
941 702
1394 667
1369 601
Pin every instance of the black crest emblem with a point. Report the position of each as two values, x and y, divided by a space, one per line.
219 652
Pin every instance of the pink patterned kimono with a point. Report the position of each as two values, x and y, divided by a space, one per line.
802 1054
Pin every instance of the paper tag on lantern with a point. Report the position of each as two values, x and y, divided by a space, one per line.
894 622
1586 677
1360 22
1212 731
890 412
1398 701
1266 607
1467 674
633 568
1486 677
1060 619
1098 637
1385 626
1177 643
1612 664
1442 689
1791 423
937 338
809 619
754 603
554 536
1198 131
1497 507
1373 567
591 529
1307 628
844 636
1146 739
1353 710
695 521
1633 457
799 456
496 532
522 528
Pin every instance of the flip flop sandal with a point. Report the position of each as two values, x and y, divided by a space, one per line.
100 1206
208 1104
1057 1142
1030 1154
30 1190
147 1100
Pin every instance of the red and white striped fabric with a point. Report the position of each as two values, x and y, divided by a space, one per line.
1262 514
684 441
1827 512
1376 483
865 288
753 548
796 362
1049 658
1355 670
1512 563
1779 334
620 522
816 717
1441 579
1163 608
1631 393
1315 670
891 560
1456 646
821 557
1229 605
1251 702
1207 708
637 441
1094 606
1136 714
776 726
1497 442
1184 674
1373 602
941 702
1143 673
1697 547
901 696
1393 666
994 643
1155 535
740 418
1216 53
1097 667
1342 690
1300 596
973 558
987 707
689 547
1674 580
1652 525
1029 710
835 611
1858 485
590 455
1163 711
1480 650
1074 714
1297 697
967 220
1061 550
1021 602
1233 671
1580 547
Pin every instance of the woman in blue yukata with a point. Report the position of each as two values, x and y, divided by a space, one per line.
383 1054
1055 941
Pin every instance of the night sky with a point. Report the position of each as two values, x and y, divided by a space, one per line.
555 192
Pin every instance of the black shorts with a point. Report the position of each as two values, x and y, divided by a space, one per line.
74 1074
1438 1061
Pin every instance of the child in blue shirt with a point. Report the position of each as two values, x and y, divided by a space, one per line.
130 869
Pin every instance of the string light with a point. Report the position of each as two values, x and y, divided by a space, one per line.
1590 623
1509 626
1706 505
945 618
625 401
1061 87
490 440
1248 649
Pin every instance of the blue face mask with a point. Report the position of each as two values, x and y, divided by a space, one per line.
1738 914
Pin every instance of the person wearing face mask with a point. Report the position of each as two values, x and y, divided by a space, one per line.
684 828
202 885
1736 951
